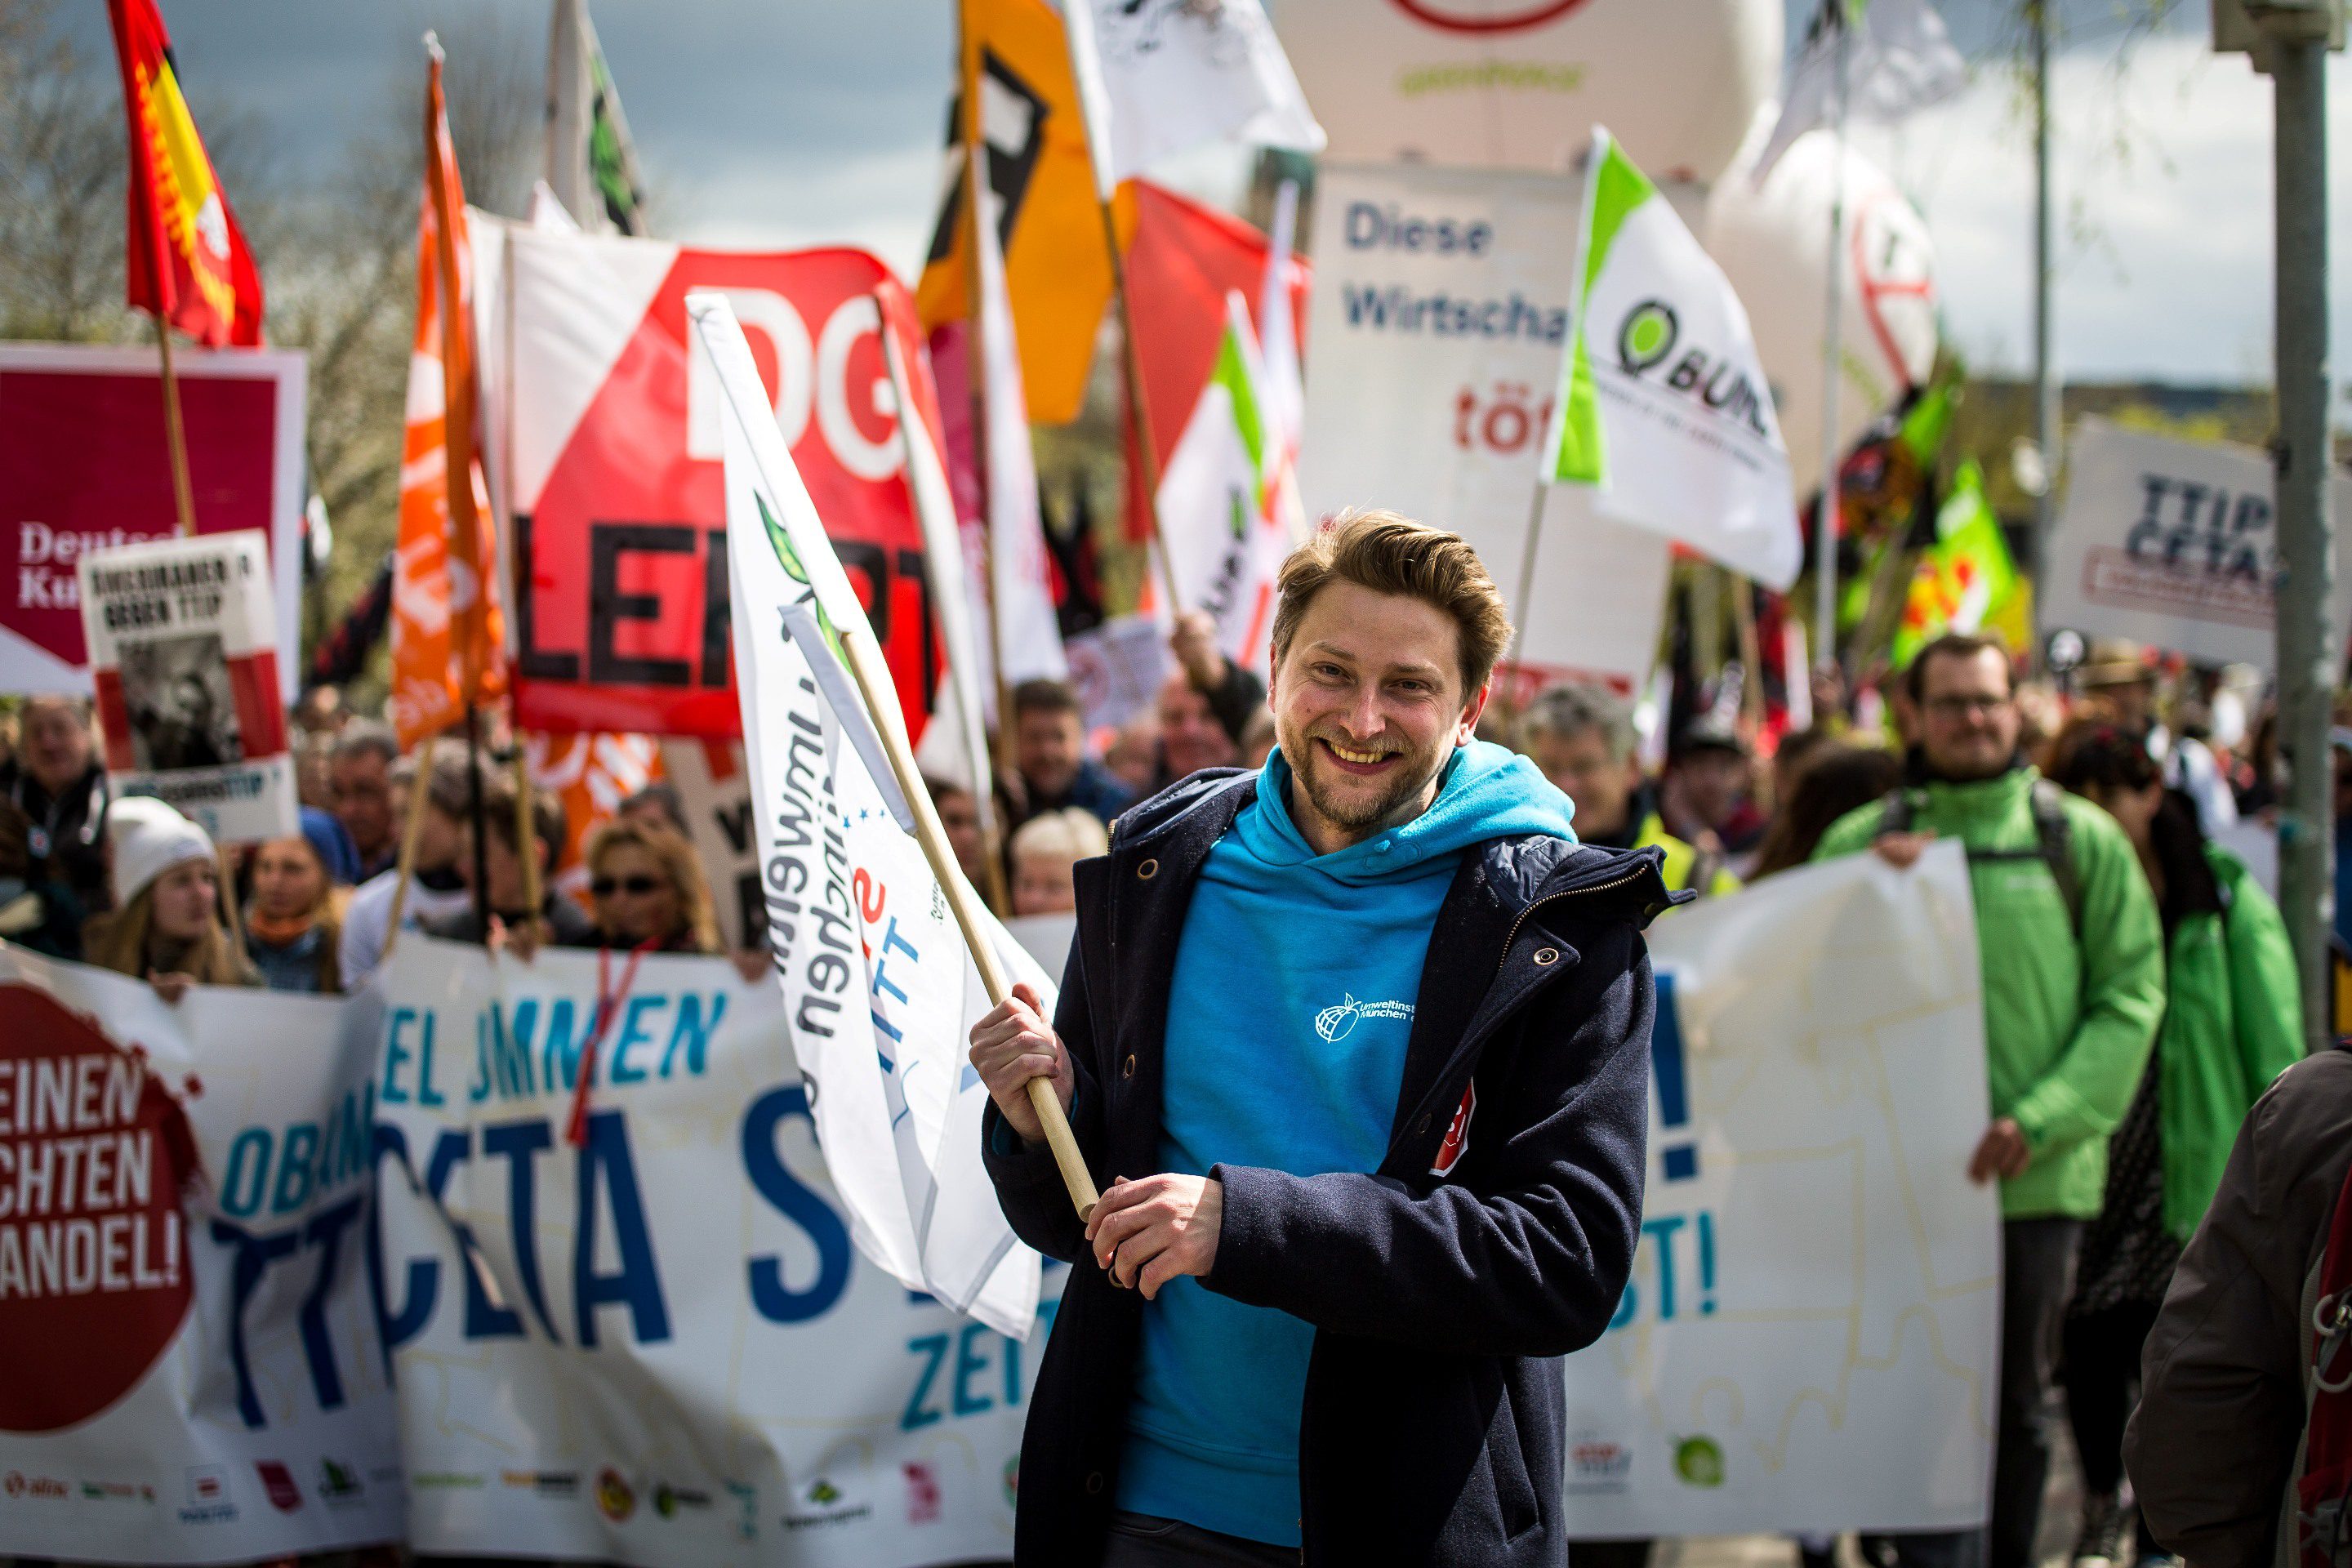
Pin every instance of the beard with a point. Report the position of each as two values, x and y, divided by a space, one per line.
1347 801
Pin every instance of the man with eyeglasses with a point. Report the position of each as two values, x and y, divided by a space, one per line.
2074 985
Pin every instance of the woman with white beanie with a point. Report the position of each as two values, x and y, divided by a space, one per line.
165 927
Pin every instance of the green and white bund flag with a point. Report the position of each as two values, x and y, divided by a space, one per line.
1664 407
880 992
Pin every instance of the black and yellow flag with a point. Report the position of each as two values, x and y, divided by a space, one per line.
1057 266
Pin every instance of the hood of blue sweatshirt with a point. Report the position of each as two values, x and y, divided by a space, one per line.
1486 792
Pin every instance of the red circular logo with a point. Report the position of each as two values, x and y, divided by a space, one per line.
1462 17
94 1275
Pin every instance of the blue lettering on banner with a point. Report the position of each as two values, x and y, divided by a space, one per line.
605 1166
1394 308
977 1351
1677 1158
397 1023
771 1297
255 1254
1372 227
519 1142
289 1166
534 1049
1680 1251
637 1283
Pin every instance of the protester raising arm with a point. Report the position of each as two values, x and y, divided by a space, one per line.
1233 694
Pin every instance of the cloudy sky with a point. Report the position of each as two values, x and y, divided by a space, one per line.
794 121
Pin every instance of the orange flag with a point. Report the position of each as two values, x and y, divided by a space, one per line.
449 637
1057 263
189 267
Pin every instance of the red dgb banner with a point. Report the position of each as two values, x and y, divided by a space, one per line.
620 609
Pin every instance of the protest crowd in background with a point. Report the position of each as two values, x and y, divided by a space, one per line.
488 1063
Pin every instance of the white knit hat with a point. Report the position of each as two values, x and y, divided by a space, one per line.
149 839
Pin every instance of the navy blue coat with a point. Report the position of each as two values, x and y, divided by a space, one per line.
1431 1425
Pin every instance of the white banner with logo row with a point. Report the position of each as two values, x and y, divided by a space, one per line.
659 1344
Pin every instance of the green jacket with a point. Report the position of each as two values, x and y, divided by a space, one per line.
2232 1022
2068 1024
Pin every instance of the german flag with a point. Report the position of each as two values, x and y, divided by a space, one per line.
189 267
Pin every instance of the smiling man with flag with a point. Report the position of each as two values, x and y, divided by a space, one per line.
1381 1028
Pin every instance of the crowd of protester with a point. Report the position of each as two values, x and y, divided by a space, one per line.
2140 994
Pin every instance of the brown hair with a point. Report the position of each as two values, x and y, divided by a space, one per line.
548 822
1392 554
1953 645
118 940
1832 780
700 919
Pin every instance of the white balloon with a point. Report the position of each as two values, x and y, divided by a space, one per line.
1773 244
1520 84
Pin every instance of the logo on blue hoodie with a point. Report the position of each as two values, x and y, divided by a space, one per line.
1334 1023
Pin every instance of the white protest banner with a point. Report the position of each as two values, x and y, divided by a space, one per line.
660 1345
83 466
1117 668
1810 1335
2172 542
183 638
192 1368
880 987
1439 308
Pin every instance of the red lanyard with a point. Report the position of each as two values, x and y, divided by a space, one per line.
608 1002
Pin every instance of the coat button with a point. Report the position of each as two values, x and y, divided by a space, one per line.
1424 1125
1127 1068
1149 869
1095 1484
1547 955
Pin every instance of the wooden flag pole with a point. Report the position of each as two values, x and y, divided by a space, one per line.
526 827
404 869
863 657
177 437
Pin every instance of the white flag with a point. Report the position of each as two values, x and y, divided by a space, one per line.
592 164
1898 60
879 991
1159 78
1020 580
1284 393
1662 402
1223 536
955 743
1282 388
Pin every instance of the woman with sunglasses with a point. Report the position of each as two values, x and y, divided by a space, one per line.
648 890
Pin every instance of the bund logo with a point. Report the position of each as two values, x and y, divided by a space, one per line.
1335 1024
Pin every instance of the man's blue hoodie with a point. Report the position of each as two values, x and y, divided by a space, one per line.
1292 1003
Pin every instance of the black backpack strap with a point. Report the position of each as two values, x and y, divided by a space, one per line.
2056 836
